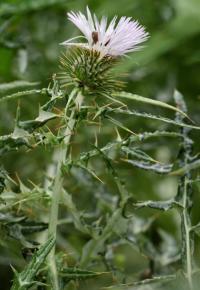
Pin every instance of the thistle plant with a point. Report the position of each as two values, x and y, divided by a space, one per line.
87 68
88 92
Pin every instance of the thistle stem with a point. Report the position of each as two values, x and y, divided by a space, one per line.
186 192
58 184
184 195
186 224
187 239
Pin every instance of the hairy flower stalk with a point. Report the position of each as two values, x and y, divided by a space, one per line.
87 67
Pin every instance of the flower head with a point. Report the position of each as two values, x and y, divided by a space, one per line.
89 65
114 39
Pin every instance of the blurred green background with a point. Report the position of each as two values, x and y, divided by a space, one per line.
30 33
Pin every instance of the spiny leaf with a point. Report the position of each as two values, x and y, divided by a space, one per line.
76 214
94 245
148 135
137 138
148 101
154 117
158 168
16 84
158 279
154 280
160 205
90 171
13 141
24 279
187 168
42 119
73 273
137 153
119 124
54 92
122 191
18 95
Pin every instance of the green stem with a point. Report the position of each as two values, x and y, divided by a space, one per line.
185 194
57 187
186 224
187 239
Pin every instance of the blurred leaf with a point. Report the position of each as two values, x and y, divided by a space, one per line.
137 153
18 95
154 280
160 205
158 168
23 6
9 218
16 85
41 120
2 178
187 168
92 247
119 124
78 274
76 215
13 141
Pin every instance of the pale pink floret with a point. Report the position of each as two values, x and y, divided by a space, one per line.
114 39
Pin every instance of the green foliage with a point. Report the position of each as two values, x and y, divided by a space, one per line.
77 274
126 209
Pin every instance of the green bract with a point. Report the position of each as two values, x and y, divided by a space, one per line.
88 70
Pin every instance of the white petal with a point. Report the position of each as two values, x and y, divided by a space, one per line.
114 39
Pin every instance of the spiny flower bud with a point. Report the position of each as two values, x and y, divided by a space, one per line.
86 69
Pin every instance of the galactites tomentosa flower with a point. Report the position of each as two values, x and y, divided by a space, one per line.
89 64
